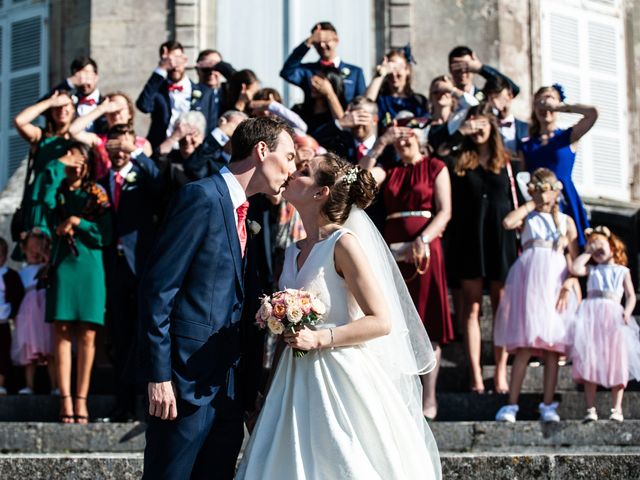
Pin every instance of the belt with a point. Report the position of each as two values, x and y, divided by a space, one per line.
412 213
538 243
603 294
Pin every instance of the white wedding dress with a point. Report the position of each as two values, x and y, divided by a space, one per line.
335 413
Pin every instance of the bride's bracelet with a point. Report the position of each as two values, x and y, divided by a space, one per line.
331 333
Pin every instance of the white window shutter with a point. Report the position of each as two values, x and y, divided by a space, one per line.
583 50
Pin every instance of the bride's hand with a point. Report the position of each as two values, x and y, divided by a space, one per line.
305 339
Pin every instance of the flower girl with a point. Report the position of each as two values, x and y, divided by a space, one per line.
606 346
539 296
33 338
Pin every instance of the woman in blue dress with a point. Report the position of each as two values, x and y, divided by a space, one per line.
391 88
554 148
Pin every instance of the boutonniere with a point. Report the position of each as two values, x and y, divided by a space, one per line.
195 96
254 228
479 96
345 71
74 99
131 177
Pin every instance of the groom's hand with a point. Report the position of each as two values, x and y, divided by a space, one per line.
162 400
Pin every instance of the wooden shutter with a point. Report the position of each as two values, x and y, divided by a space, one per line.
23 70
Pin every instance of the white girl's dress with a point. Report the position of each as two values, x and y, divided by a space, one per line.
33 338
334 413
527 315
605 350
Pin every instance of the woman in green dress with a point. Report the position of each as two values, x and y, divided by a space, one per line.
77 294
46 160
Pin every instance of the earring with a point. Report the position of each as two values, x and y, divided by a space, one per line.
315 196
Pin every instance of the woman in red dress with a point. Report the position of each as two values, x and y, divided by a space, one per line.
417 198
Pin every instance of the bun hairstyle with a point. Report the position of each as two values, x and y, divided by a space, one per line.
348 185
618 248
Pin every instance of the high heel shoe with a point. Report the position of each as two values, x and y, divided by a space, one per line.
82 419
63 417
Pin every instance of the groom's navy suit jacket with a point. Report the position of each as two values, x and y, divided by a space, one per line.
192 294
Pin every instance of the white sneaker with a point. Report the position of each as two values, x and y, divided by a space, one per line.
616 415
3 391
25 391
507 413
591 416
548 413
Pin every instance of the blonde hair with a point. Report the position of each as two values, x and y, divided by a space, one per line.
541 178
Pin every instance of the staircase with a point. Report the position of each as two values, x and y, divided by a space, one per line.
472 445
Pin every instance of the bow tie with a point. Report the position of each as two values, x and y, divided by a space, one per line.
506 124
86 101
328 63
174 87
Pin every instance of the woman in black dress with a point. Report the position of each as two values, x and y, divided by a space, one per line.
483 193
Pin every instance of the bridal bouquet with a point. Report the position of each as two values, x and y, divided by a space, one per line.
289 309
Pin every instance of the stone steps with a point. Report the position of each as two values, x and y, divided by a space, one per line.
467 466
453 406
473 407
463 437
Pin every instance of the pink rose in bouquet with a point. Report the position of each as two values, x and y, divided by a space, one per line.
289 309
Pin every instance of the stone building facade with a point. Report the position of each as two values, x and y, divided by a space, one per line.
526 39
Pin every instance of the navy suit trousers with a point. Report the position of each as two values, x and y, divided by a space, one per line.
202 443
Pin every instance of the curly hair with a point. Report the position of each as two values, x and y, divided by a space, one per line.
618 248
344 193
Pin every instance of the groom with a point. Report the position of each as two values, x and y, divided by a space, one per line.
192 294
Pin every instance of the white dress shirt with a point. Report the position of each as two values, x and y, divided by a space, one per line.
180 101
508 132
237 193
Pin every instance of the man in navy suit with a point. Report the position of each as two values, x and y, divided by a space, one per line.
212 69
500 95
192 295
134 187
324 39
83 85
169 92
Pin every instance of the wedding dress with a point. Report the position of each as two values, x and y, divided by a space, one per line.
336 413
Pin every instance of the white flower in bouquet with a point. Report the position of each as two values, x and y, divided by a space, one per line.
294 314
275 326
317 306
266 310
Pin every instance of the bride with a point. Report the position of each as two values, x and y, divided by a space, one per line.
351 407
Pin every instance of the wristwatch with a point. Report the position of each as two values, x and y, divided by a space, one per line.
425 239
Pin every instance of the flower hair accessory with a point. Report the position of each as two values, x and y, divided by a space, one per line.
560 91
545 186
351 176
600 229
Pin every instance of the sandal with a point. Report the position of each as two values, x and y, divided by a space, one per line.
82 419
63 417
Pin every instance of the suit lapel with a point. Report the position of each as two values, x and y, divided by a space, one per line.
229 222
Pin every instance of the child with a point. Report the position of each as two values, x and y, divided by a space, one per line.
606 348
33 338
11 293
532 318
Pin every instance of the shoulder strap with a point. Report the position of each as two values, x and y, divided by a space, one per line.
512 181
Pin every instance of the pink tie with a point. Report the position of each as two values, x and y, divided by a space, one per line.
116 192
242 226
362 151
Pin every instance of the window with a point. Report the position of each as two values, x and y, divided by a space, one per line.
23 74
263 34
582 45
